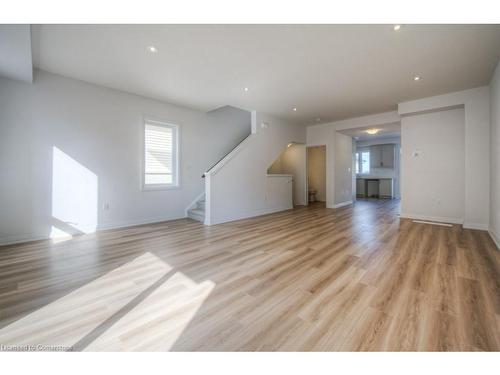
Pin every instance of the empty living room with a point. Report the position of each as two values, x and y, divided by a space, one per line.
208 184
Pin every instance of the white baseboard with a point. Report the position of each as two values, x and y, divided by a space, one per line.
438 219
495 238
475 226
343 204
17 239
132 223
248 215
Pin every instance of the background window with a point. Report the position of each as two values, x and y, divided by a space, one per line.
160 154
363 162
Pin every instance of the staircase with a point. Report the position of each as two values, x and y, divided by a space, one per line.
198 212
244 189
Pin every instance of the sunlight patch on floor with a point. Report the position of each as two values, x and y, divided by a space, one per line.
157 322
68 319
57 235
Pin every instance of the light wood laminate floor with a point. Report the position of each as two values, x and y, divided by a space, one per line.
355 278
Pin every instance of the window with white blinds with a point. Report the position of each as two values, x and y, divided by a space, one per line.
160 154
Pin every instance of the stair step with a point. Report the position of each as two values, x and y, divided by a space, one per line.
200 205
197 214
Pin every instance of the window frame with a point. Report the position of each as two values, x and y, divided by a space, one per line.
176 184
356 161
359 154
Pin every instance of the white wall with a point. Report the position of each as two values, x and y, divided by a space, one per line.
433 166
15 52
240 188
95 133
278 166
495 157
293 161
343 169
477 155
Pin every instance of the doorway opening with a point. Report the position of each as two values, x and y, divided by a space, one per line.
376 161
316 174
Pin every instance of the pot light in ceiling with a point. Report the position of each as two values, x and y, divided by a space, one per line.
245 89
397 27
152 49
372 131
294 109
289 145
416 78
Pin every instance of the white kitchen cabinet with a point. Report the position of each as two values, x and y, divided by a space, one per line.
375 187
388 156
385 188
382 156
376 156
360 187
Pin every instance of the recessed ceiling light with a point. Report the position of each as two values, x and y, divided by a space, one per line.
372 131
416 78
289 145
152 49
246 89
397 27
294 109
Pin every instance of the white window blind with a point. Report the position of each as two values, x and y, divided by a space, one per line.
160 159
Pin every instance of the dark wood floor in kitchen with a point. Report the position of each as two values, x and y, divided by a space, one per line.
355 278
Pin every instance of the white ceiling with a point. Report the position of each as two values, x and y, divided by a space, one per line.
384 131
329 72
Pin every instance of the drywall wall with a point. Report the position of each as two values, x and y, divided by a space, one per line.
316 171
15 52
495 157
433 166
343 169
353 168
292 161
277 167
60 129
477 146
240 187
393 173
